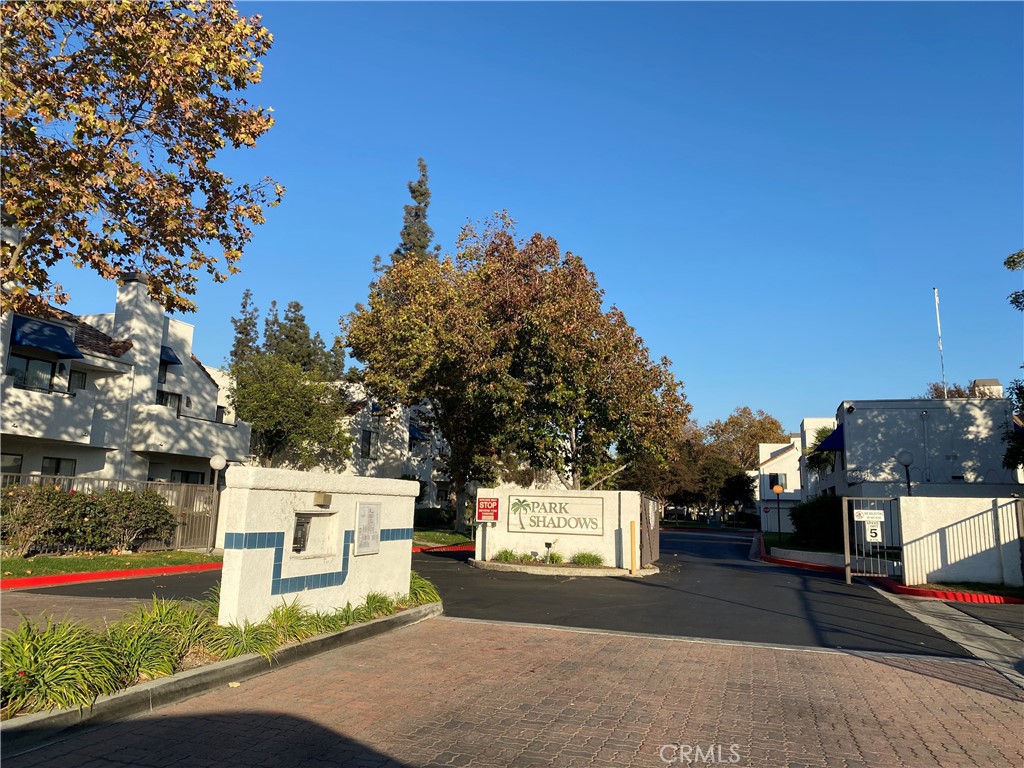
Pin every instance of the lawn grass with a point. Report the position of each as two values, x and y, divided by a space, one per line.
52 565
439 537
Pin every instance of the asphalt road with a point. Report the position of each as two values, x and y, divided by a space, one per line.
707 588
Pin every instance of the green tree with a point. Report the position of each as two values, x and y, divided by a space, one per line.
416 232
113 115
935 391
508 343
1015 263
1014 434
737 437
820 462
247 335
288 387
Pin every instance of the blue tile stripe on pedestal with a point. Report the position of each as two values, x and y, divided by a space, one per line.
275 540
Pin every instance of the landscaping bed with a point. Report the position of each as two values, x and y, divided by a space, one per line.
62 664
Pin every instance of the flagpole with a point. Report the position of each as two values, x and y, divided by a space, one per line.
938 326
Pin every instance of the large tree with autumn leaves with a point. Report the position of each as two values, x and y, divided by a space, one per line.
113 116
509 342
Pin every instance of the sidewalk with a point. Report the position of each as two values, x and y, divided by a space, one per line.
468 693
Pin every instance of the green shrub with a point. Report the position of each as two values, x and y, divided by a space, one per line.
62 664
433 518
35 517
818 522
130 517
555 558
28 514
587 558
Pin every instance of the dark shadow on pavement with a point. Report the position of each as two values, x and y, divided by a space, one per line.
224 739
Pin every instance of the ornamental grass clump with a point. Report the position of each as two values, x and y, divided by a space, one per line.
65 664
61 664
591 559
421 591
143 652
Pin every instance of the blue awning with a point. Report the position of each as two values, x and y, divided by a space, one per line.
834 442
417 434
167 356
27 332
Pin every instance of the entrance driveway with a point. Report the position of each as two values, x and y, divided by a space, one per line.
464 693
708 588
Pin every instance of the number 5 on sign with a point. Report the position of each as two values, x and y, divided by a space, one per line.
873 531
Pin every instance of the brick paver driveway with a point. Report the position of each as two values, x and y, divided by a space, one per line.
469 693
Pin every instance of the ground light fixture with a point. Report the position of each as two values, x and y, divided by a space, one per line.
777 489
906 458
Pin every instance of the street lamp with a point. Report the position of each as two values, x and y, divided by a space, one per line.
777 489
736 510
906 458
217 464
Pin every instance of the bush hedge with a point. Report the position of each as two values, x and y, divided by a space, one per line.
818 522
49 518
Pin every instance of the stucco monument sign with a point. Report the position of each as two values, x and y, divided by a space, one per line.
533 521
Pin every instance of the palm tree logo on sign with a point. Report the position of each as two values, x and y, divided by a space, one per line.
519 506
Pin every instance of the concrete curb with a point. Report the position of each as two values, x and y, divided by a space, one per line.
560 570
30 731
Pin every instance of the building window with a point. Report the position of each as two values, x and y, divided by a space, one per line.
57 466
221 412
368 444
11 466
161 375
169 399
77 381
777 478
189 478
30 373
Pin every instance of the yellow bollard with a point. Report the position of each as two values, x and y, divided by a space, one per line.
632 547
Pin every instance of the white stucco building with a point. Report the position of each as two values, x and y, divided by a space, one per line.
954 447
114 396
778 464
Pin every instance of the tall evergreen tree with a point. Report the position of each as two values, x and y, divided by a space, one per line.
247 335
286 389
416 233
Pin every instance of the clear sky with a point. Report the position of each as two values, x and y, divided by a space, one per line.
769 191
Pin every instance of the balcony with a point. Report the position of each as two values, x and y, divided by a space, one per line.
159 429
64 416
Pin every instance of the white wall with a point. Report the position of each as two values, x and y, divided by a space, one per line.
566 519
957 540
256 524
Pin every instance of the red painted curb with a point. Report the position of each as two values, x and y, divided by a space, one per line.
447 548
895 586
74 578
956 597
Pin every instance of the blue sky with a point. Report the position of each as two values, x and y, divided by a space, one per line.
769 191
